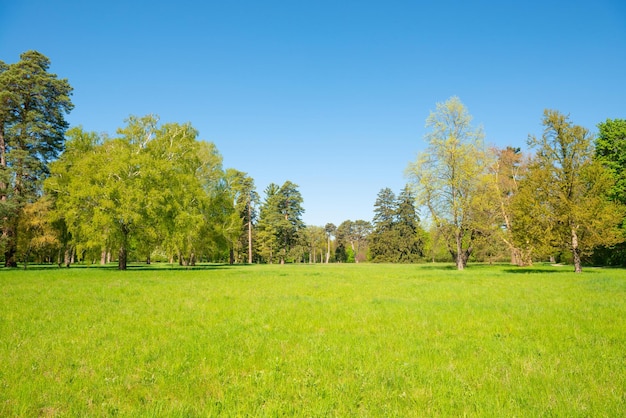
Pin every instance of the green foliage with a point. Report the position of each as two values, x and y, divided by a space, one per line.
610 150
451 179
569 191
33 104
280 224
150 187
397 235
352 241
324 340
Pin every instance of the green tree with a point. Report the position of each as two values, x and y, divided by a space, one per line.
410 235
352 238
508 169
280 221
245 198
383 241
397 236
152 186
450 177
33 105
330 230
610 148
79 144
574 187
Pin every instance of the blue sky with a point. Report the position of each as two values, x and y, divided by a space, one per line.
330 95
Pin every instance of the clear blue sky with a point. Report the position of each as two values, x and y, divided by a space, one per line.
331 95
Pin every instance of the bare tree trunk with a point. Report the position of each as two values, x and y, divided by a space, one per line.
103 257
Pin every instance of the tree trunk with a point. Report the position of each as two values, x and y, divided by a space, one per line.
122 261
231 256
103 257
576 252
328 251
460 265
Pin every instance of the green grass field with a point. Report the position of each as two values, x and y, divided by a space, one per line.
313 340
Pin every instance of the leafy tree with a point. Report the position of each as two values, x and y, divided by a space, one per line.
508 169
397 235
79 143
33 105
316 239
152 186
355 235
573 187
280 221
244 198
450 177
610 149
330 230
37 235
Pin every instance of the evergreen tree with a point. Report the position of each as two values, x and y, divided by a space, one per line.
33 105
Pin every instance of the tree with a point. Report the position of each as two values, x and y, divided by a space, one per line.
397 236
383 241
330 230
37 236
610 150
575 187
152 186
280 221
450 179
244 198
411 236
33 105
355 234
508 169
79 144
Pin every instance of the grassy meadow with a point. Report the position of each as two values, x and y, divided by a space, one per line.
313 340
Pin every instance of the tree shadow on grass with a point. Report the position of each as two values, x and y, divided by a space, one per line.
538 270
129 267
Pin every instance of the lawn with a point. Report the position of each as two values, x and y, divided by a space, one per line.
313 340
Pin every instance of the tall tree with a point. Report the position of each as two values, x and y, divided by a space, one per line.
245 198
152 186
383 241
33 105
611 151
280 221
411 236
397 235
575 187
450 178
330 230
355 234
508 169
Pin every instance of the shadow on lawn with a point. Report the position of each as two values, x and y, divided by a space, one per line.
537 270
129 267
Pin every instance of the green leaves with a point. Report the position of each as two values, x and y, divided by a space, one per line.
151 187
33 104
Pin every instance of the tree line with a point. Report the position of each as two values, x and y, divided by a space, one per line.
156 192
